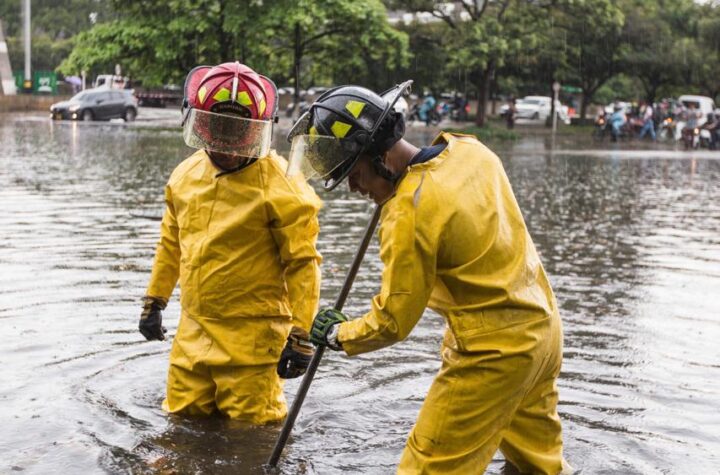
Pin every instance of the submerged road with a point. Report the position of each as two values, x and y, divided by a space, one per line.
631 241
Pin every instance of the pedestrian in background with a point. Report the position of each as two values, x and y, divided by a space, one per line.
510 114
648 122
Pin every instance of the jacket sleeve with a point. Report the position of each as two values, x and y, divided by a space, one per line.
166 267
293 212
408 249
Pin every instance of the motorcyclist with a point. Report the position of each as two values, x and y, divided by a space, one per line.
426 108
617 121
459 108
511 113
692 118
713 126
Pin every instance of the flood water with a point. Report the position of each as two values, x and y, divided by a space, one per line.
631 242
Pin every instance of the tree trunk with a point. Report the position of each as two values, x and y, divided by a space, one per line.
484 93
549 121
586 97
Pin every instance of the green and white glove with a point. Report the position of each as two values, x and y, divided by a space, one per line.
325 328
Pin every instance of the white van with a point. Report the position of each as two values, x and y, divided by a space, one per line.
703 104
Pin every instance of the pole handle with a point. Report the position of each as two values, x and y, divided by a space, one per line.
315 362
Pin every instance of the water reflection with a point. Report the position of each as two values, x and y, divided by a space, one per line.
630 239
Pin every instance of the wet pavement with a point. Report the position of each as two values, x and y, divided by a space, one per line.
630 239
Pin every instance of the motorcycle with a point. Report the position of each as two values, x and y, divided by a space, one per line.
634 125
666 129
601 128
623 132
432 115
691 137
460 112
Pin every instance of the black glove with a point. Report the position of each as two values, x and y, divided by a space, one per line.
324 322
296 355
151 318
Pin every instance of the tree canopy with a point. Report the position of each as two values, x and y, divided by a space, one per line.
484 48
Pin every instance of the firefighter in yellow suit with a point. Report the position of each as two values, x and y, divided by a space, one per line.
240 237
452 238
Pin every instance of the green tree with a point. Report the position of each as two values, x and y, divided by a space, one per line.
160 41
336 41
58 19
53 24
708 74
535 67
482 35
650 43
594 49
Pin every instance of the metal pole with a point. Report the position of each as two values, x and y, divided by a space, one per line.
6 76
315 362
26 34
554 108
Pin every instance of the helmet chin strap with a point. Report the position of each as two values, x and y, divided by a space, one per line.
242 163
383 171
397 122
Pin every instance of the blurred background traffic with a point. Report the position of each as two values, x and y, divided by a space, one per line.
470 60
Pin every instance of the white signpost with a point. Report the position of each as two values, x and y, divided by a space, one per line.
556 90
7 81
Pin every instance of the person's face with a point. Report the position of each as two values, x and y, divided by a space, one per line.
227 161
363 179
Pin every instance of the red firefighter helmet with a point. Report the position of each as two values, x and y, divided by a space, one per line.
229 109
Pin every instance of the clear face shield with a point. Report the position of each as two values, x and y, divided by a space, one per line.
227 134
325 158
317 157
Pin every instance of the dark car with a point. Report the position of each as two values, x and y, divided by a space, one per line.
97 104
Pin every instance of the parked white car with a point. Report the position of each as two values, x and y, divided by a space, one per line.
537 108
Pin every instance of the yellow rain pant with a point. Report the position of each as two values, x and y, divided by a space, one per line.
503 397
203 378
452 238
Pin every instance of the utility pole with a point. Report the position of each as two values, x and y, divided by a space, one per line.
27 83
7 81
555 103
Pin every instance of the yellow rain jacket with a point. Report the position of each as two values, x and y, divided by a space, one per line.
242 245
453 239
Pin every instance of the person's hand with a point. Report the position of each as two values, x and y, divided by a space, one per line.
151 318
295 357
324 330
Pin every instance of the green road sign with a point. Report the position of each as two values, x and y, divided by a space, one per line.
571 89
45 82
19 76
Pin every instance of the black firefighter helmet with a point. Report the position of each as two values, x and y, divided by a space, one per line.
342 125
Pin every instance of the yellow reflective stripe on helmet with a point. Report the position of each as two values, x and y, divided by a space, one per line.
222 95
243 98
262 107
340 129
355 108
201 94
313 131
